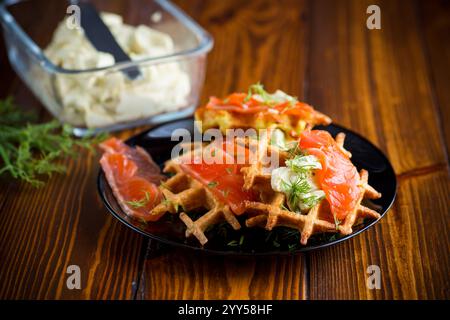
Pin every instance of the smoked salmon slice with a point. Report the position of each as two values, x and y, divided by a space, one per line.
338 178
224 180
133 176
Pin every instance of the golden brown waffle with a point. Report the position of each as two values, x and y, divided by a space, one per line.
317 220
182 191
224 120
258 172
185 193
271 211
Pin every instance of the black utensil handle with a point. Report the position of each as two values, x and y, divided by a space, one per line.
98 33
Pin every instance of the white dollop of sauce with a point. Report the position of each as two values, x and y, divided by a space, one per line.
107 97
283 177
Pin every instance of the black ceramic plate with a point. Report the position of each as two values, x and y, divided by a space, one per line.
251 241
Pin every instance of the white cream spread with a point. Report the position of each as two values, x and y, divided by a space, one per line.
298 182
107 97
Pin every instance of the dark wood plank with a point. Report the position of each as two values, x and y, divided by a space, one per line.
410 245
42 231
377 83
45 230
176 274
386 84
435 24
249 38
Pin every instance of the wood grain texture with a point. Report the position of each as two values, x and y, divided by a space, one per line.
376 82
247 49
45 230
434 17
176 274
410 245
342 79
249 39
390 85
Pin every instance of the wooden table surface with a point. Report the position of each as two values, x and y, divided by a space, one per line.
390 85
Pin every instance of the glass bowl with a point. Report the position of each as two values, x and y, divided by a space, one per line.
103 98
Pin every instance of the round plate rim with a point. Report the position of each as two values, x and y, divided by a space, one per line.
100 187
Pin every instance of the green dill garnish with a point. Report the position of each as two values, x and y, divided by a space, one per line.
289 233
334 237
295 180
276 244
269 99
233 243
312 200
213 184
225 193
29 151
222 229
236 243
229 170
141 202
295 190
303 165
258 89
268 236
249 94
168 202
294 150
336 222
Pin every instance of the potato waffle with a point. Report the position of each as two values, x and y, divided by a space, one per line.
268 211
183 192
271 212
224 120
259 109
317 220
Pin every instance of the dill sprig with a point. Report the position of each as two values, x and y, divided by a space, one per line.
29 151
303 165
258 89
336 222
268 98
141 202
294 150
169 202
295 190
213 184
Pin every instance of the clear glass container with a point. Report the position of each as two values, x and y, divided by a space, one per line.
68 94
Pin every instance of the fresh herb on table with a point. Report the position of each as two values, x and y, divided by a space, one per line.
29 151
